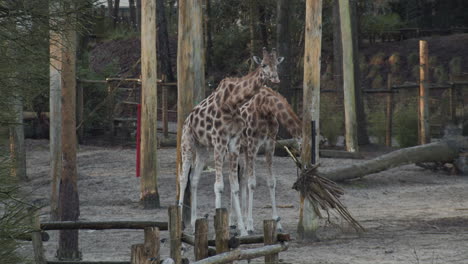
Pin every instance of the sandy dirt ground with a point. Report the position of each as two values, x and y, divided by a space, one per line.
411 215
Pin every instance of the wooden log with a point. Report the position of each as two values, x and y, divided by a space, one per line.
138 254
389 112
201 239
37 238
443 151
269 231
102 225
243 254
243 240
175 231
424 132
221 224
69 207
152 245
308 223
348 78
149 195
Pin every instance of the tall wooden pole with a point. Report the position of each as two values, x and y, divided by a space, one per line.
348 77
55 118
69 207
148 152
190 74
424 133
17 147
308 220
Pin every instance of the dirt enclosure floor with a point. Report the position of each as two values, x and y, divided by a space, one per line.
411 215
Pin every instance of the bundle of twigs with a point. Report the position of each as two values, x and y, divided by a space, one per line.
322 193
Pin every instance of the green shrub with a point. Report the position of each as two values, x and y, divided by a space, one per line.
405 125
331 119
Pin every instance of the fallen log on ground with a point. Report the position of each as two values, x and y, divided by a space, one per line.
243 254
63 225
446 150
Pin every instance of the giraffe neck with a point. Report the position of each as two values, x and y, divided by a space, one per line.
283 112
234 92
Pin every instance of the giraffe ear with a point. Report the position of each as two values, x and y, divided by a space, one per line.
257 60
280 60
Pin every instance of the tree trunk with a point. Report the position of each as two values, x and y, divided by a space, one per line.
208 36
443 151
138 14
337 48
308 220
164 53
116 12
17 147
148 152
363 138
55 118
69 207
283 45
110 8
348 77
263 24
252 32
133 22
190 76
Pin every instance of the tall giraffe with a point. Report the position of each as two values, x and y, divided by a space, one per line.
262 115
216 123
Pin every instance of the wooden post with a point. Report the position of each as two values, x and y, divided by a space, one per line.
452 104
348 77
152 245
69 207
17 147
201 239
36 238
138 254
79 111
389 112
55 118
190 76
424 133
149 162
175 231
221 225
164 107
308 220
110 108
269 231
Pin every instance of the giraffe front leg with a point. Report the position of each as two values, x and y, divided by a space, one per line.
200 161
271 181
219 153
234 183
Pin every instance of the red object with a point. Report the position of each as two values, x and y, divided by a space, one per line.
138 139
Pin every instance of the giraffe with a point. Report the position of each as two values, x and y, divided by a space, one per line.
216 123
262 115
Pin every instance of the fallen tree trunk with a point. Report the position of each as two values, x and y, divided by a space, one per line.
446 150
243 254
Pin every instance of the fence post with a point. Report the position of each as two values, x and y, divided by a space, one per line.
138 254
110 108
201 239
36 236
269 232
79 110
164 107
175 231
424 134
152 244
389 112
222 230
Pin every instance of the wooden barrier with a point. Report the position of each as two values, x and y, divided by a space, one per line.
149 251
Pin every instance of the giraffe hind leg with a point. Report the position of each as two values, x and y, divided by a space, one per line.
271 181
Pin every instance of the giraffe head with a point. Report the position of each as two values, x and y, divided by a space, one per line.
269 65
